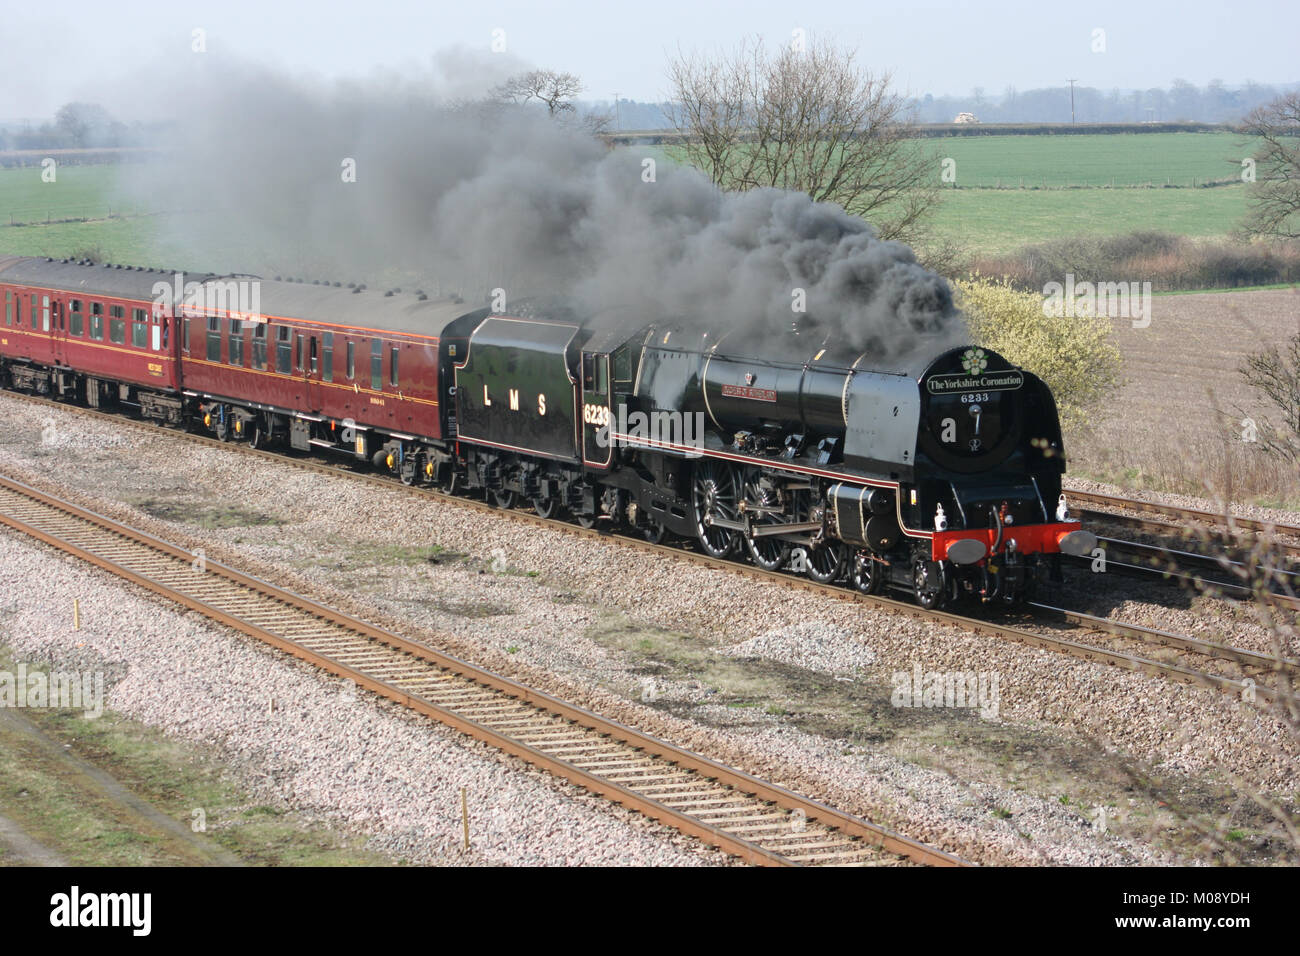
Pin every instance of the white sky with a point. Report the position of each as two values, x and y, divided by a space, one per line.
51 53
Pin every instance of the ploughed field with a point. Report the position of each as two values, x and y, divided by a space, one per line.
1177 421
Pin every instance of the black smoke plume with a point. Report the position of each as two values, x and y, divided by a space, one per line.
455 194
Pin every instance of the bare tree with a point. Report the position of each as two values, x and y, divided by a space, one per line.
553 89
1275 200
810 120
1275 372
82 122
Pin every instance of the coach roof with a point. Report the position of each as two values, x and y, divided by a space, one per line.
403 311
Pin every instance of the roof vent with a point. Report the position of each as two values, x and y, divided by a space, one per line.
421 296
388 293
337 284
277 279
315 281
356 289
352 285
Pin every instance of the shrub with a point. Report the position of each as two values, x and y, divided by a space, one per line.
1073 355
1167 261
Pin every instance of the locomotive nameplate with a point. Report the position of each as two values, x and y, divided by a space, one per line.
754 394
992 382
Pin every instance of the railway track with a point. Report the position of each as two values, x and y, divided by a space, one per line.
1095 653
757 821
1199 572
1216 522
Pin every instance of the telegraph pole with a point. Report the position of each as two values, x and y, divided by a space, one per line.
1072 82
617 125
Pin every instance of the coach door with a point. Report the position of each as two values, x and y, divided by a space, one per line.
58 327
597 447
312 369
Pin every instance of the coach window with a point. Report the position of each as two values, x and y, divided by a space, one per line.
32 315
352 364
392 366
45 313
259 345
117 324
376 364
185 334
139 329
283 348
297 353
314 363
9 307
97 321
236 348
327 357
76 324
214 339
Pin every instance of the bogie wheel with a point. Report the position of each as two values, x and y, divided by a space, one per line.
928 583
546 507
410 469
715 494
504 499
868 574
826 563
256 437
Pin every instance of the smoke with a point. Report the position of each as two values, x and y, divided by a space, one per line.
453 194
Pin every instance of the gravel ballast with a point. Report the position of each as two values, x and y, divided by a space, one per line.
575 616
298 739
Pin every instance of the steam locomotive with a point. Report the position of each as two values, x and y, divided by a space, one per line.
937 475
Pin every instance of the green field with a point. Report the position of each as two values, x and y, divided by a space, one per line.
1000 221
82 192
1121 159
975 213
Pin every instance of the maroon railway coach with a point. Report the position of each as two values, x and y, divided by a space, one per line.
92 332
305 364
319 365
